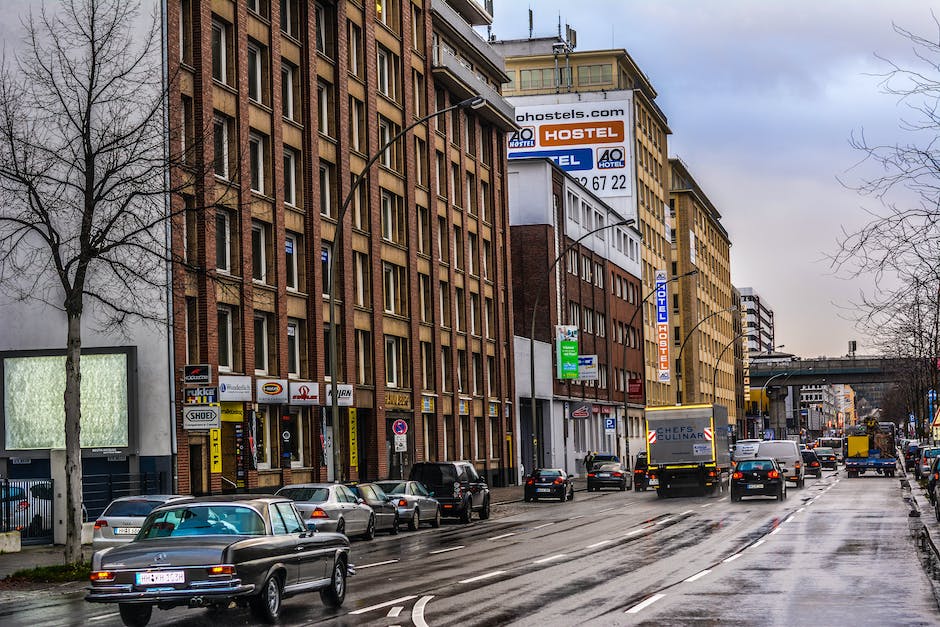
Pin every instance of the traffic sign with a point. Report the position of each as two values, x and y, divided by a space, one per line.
400 427
401 443
610 425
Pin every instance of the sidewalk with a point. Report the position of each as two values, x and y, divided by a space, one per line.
35 555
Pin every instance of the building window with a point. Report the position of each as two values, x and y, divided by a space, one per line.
260 244
186 31
417 29
601 326
424 298
256 72
458 248
395 289
487 258
417 84
388 14
427 366
443 249
481 438
490 375
261 343
421 162
256 150
221 144
360 208
462 370
391 156
324 24
445 303
223 240
465 443
190 233
294 342
292 255
446 369
326 190
459 306
192 330
290 90
354 50
357 124
471 189
259 7
487 201
361 278
325 263
599 74
490 316
222 66
472 265
363 357
424 230
387 70
290 176
393 218
475 326
396 362
455 183
226 334
325 108
187 131
290 18
477 360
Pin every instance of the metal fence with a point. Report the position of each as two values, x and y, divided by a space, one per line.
99 490
26 506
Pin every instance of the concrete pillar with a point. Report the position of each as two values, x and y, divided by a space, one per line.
57 470
778 410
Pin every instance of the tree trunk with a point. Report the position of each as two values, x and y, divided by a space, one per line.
73 448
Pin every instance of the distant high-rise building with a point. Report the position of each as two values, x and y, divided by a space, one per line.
759 320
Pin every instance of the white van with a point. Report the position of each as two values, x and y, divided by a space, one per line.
787 454
745 449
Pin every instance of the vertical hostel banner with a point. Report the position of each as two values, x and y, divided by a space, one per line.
662 326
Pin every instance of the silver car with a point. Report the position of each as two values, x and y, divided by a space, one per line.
332 507
415 503
923 461
122 518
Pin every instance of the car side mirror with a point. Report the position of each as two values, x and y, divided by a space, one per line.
311 527
359 501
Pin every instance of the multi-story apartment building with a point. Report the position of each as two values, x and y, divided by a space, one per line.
576 262
703 319
549 77
760 321
288 101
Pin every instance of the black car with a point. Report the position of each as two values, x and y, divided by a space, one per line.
811 463
641 473
911 455
456 486
609 475
758 477
827 457
383 506
933 478
210 551
550 483
601 458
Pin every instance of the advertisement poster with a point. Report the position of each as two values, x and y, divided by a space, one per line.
662 327
566 347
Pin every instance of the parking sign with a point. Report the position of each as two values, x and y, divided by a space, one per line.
610 425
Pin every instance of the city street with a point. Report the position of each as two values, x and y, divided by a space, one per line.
838 551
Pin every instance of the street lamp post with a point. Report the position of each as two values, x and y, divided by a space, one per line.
535 306
718 361
688 335
763 391
470 103
626 382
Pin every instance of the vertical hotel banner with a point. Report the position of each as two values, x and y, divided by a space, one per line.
566 347
662 326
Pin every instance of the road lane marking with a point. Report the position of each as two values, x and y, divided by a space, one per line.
777 530
381 605
636 531
505 535
495 573
542 526
757 544
375 564
608 509
731 559
640 606
698 576
665 520
800 510
787 520
576 517
550 558
417 614
597 544
104 616
395 611
707 505
688 511
453 548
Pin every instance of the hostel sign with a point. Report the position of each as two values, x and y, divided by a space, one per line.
662 327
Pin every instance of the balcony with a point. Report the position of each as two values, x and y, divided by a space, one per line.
473 11
452 73
457 27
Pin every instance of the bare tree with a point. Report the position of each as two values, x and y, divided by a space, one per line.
83 182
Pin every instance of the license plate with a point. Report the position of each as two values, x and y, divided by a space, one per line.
603 474
543 489
654 481
160 577
126 531
755 486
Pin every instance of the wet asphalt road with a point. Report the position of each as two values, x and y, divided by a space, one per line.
836 552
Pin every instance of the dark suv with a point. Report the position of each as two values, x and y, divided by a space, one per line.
457 486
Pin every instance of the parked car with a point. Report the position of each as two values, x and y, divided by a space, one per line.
788 457
208 552
811 462
383 507
932 479
121 519
456 486
551 483
602 458
923 461
911 453
827 457
641 473
761 476
415 502
332 507
611 475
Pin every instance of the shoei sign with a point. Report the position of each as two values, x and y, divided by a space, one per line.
202 417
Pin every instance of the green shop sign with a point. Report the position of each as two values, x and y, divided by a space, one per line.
566 347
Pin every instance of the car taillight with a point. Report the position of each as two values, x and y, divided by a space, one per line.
530 481
936 476
638 471
797 465
402 503
225 569
558 481
319 513
100 523
738 475
711 473
102 575
773 474
814 464
618 474
591 474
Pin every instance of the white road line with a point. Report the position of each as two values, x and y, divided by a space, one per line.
417 614
495 573
576 517
541 526
707 505
688 511
550 558
597 544
505 535
640 606
395 611
787 520
375 564
775 531
757 544
732 558
800 510
698 576
607 509
636 531
452 548
381 605
104 616
665 520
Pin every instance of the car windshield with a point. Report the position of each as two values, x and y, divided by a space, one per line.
776 449
434 474
393 487
309 494
607 467
549 473
134 508
809 455
756 464
202 520
606 458
821 450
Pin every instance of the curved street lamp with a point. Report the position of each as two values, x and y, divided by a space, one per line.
535 307
718 361
688 335
763 392
470 103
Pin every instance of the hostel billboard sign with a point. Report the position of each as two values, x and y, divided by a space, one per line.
662 327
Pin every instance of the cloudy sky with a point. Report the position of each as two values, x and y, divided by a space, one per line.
762 97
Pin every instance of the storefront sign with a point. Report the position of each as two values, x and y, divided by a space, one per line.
233 412
566 347
304 393
201 396
202 417
353 439
232 388
345 397
579 410
215 450
587 367
397 400
271 391
197 373
662 327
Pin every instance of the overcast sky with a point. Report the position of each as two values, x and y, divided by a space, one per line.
762 97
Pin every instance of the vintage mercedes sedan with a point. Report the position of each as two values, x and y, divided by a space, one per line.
208 552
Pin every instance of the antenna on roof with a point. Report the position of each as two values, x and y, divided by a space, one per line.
530 22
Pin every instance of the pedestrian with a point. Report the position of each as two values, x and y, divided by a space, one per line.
588 460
